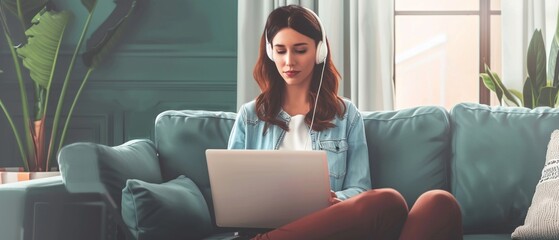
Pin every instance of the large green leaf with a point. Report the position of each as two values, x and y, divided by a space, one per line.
555 75
501 89
529 95
490 84
105 37
548 96
487 81
552 67
518 95
536 63
43 43
27 9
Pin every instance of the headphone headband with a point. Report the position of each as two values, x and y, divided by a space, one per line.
321 47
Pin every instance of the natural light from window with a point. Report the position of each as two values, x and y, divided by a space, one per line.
437 52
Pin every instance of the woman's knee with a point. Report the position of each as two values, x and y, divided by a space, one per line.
384 210
438 199
384 199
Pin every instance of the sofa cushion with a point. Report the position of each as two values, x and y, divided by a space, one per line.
96 168
487 237
409 149
543 215
171 210
182 137
498 154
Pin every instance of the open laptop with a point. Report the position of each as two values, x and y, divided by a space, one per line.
266 188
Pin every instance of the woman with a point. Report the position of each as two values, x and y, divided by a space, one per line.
299 109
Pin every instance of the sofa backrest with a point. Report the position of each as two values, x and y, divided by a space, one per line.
181 139
490 158
498 155
409 149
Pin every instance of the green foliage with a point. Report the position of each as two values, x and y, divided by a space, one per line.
41 51
100 43
25 10
44 30
538 90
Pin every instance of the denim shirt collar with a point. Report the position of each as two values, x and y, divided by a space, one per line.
284 116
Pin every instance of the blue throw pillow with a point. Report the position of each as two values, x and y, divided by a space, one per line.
171 210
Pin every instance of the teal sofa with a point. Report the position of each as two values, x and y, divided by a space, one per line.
489 158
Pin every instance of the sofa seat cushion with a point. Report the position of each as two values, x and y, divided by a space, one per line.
487 237
171 210
498 154
409 149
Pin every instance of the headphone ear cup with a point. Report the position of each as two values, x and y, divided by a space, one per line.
321 52
269 51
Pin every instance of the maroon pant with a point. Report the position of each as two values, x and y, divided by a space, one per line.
379 214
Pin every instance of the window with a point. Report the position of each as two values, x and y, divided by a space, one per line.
441 47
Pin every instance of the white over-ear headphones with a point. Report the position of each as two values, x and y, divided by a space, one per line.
321 47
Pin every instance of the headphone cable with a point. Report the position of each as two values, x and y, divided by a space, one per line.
315 103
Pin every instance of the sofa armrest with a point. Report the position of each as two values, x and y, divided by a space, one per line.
96 168
13 199
99 169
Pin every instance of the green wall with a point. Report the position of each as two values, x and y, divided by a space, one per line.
175 54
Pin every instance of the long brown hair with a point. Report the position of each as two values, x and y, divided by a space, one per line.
272 85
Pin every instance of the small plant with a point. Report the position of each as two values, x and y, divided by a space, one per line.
44 30
540 89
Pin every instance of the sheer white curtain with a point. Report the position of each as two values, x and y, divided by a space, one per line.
520 18
360 34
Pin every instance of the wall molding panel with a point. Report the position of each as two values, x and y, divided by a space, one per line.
180 54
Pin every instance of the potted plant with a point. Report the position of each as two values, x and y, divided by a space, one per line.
44 29
540 88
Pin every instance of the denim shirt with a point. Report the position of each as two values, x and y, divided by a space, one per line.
345 144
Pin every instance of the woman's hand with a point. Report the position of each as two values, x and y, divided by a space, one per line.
333 198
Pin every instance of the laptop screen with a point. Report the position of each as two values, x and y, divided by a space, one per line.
266 188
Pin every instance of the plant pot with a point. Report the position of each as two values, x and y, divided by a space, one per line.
9 175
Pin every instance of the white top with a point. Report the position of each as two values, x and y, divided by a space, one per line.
297 135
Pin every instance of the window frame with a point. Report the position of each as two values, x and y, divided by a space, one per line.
484 13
